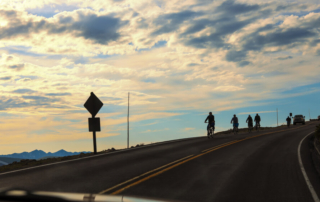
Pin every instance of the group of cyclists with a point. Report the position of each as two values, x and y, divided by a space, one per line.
234 121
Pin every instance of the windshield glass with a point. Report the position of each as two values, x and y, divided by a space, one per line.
177 99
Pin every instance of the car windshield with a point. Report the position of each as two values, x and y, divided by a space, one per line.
187 100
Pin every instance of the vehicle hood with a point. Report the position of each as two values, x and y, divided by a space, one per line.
20 195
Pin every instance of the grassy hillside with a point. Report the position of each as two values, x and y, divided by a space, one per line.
47 157
25 163
9 160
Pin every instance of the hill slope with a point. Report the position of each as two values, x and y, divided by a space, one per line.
37 154
7 160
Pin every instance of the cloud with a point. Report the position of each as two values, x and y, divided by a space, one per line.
262 112
81 23
285 58
100 29
188 129
6 78
23 91
16 67
58 94
149 124
154 131
228 88
171 22
231 7
278 38
236 56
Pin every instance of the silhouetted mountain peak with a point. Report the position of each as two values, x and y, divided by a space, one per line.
37 154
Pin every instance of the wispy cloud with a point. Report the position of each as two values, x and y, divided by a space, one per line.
156 130
187 129
261 112
149 124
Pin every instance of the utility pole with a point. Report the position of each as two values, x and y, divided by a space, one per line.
277 117
128 121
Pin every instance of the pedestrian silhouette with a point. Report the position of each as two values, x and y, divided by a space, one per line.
288 121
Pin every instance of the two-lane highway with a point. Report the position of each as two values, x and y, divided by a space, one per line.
260 166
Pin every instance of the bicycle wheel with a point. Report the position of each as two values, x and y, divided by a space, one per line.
212 132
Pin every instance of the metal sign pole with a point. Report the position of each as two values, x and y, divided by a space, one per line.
93 105
128 122
94 142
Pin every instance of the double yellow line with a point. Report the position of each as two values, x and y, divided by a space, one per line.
169 166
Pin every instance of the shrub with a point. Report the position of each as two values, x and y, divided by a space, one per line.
317 132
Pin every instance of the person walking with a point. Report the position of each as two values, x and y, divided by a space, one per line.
288 121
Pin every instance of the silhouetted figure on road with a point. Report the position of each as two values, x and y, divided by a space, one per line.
235 122
211 123
250 122
288 121
257 119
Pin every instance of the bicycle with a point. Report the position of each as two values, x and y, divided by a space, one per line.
250 127
211 132
258 126
235 129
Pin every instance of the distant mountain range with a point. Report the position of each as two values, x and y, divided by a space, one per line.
37 154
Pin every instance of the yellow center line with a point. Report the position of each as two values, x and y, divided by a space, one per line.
216 148
143 175
182 162
219 145
166 169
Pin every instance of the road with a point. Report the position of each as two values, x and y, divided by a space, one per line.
260 166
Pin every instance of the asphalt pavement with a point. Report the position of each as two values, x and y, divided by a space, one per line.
257 166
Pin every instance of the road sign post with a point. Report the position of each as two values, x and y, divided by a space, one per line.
93 105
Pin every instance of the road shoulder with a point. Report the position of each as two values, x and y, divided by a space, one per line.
307 156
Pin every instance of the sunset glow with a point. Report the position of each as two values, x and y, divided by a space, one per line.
179 59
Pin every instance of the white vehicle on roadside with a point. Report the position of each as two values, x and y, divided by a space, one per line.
299 119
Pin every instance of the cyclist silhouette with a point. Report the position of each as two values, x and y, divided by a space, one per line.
250 122
235 123
211 123
257 119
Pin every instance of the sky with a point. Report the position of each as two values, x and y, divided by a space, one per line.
179 59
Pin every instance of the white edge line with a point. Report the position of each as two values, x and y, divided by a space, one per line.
313 193
123 150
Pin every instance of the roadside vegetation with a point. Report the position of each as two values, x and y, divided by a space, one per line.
317 133
26 163
243 130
